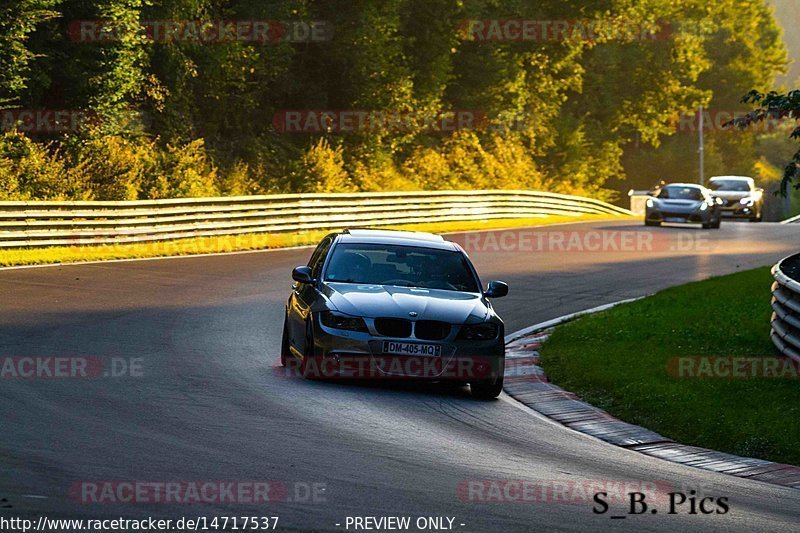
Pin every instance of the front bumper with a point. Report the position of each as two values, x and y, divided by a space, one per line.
356 355
740 211
734 208
680 217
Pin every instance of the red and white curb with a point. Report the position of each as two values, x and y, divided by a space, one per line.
527 383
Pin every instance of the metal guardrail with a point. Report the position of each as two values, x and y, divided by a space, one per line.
785 332
57 223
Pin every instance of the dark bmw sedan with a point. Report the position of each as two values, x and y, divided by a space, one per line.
374 304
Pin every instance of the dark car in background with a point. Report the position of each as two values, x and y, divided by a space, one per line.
683 203
391 304
741 198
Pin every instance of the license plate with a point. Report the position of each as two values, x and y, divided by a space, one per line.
409 348
674 219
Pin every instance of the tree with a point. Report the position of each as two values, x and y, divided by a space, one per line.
563 112
18 20
728 48
776 106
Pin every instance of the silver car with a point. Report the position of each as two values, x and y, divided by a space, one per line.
375 304
684 203
741 198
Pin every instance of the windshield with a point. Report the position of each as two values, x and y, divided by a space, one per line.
680 193
729 185
406 266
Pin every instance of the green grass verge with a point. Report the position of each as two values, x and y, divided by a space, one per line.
206 245
618 360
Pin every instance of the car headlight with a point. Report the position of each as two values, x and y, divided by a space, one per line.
703 206
747 201
478 332
339 321
650 202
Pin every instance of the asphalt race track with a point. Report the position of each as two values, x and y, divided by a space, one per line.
211 403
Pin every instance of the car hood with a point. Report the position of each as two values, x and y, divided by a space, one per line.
397 302
679 205
732 195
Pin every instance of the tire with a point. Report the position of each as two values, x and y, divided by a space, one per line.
713 223
285 352
717 223
651 223
486 390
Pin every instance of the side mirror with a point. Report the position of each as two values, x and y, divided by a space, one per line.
302 274
496 289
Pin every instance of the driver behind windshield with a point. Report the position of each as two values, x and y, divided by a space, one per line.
402 266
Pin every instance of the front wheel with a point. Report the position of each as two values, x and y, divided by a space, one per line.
651 223
487 390
713 223
285 354
309 368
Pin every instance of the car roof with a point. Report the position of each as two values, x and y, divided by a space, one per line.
736 178
396 237
691 185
